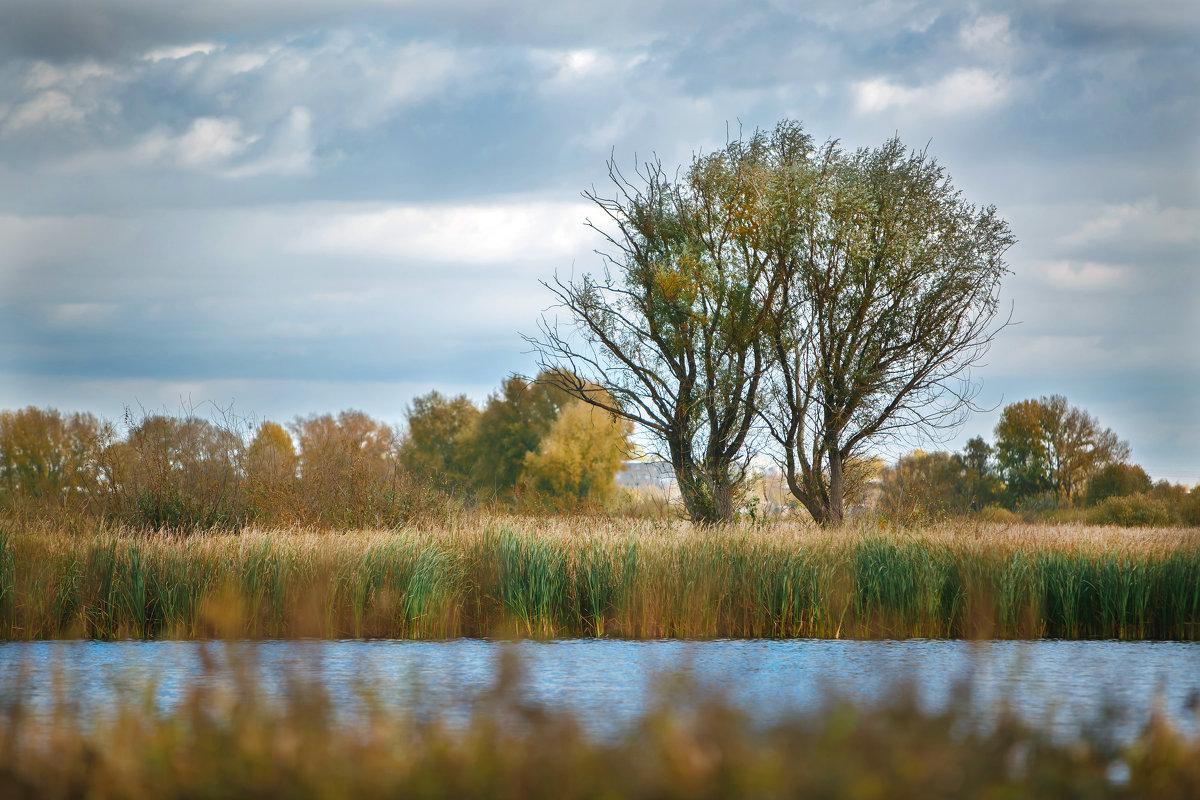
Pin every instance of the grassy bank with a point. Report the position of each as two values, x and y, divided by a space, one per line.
601 577
229 740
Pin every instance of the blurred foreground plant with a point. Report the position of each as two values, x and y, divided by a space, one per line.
229 739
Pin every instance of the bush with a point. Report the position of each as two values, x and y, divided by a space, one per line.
997 514
1190 510
1034 507
1066 515
1117 480
1131 511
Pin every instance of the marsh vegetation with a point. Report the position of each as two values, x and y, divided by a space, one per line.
579 576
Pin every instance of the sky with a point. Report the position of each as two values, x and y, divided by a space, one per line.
282 208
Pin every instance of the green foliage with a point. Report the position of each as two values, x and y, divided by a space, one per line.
173 507
1131 511
437 445
892 285
1173 495
512 425
924 486
531 436
1115 480
533 580
1046 445
190 474
1190 512
1022 453
858 286
676 337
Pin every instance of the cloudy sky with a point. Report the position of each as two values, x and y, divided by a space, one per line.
297 207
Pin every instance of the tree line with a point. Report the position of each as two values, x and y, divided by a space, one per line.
530 445
1048 460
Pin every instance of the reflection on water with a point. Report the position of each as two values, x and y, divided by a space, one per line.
1057 684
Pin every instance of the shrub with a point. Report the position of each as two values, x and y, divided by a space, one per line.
1117 480
182 473
1066 515
1131 511
1189 512
1034 507
997 514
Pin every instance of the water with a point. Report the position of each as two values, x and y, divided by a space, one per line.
1061 686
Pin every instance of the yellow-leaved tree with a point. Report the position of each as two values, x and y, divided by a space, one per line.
271 471
578 458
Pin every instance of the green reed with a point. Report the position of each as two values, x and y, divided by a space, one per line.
502 580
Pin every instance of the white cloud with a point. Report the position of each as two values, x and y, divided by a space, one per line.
290 151
1082 275
961 92
572 65
180 51
50 107
44 75
208 142
1146 219
474 234
59 96
987 37
1108 221
383 82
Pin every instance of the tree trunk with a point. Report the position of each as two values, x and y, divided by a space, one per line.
708 498
706 489
837 489
820 500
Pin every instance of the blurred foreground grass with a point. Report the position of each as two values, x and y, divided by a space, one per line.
582 576
228 739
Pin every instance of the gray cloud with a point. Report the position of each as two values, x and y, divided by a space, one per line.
227 195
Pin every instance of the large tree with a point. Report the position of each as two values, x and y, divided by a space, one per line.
672 335
512 424
349 470
836 297
891 298
1047 445
436 444
50 455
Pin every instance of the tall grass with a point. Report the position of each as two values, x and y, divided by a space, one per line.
544 578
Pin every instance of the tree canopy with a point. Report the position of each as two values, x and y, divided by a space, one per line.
1046 445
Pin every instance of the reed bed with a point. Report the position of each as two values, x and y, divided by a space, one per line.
231 740
538 577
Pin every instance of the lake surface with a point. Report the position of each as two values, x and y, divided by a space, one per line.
608 684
